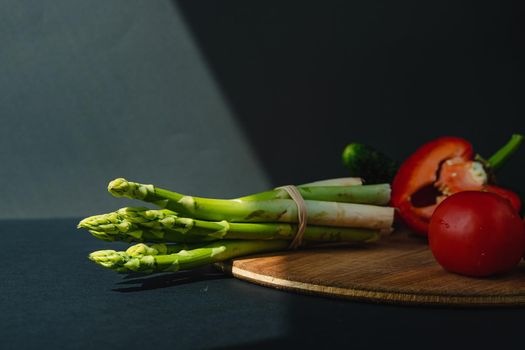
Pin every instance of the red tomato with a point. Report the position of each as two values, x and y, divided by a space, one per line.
476 234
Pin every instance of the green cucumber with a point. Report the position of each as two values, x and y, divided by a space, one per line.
368 163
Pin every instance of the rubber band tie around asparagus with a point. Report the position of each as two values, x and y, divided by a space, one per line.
302 214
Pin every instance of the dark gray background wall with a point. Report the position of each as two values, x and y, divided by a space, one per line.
222 98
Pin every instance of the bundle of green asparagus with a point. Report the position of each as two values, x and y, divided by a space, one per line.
188 232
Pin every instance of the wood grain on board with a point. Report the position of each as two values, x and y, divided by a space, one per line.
399 269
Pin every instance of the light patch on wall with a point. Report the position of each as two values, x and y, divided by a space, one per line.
116 90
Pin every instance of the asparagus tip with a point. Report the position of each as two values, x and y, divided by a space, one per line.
123 188
118 187
110 259
102 236
87 222
141 249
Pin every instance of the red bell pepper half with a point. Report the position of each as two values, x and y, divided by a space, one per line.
441 168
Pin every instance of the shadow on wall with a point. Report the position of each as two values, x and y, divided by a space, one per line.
305 79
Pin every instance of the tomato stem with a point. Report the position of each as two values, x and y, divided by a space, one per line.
503 154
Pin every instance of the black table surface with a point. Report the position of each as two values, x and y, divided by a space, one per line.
52 296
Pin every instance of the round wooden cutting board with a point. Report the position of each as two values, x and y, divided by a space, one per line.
399 269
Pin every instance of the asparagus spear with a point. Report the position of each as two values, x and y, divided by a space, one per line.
237 210
141 249
367 194
337 182
142 224
114 227
115 259
340 181
129 261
